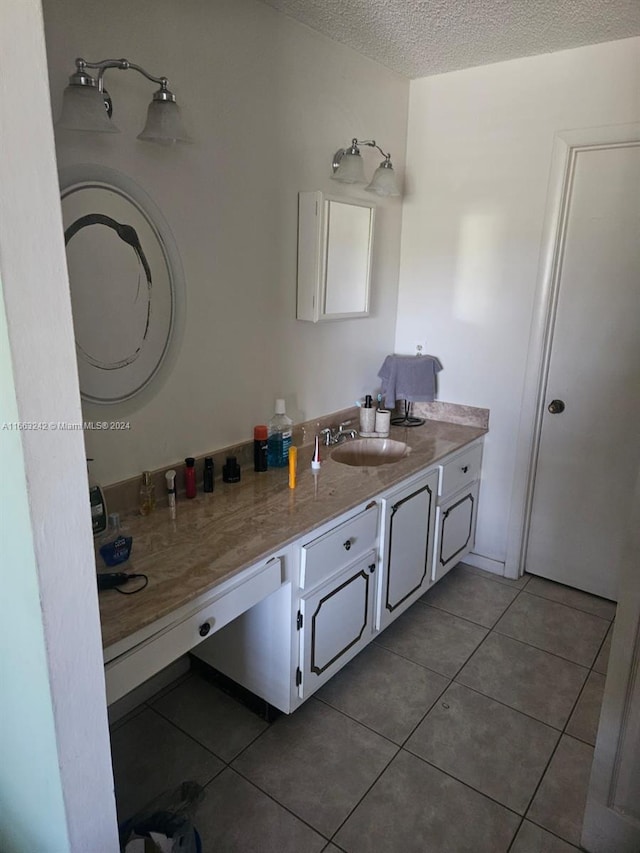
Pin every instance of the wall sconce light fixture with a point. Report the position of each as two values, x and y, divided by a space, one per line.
86 104
348 167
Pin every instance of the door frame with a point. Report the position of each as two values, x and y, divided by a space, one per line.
567 145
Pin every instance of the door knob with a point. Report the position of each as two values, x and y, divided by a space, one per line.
556 407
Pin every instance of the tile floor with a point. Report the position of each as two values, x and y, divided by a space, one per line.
466 727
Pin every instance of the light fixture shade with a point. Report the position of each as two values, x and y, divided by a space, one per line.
384 181
164 125
350 170
83 109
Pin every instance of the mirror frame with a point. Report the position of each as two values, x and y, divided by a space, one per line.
313 253
90 176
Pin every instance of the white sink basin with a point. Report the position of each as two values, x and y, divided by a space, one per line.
370 451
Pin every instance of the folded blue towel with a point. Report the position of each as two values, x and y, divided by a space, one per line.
409 377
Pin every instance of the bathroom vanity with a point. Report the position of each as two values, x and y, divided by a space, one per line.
279 588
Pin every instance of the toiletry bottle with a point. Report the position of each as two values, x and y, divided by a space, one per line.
190 477
147 500
279 440
170 477
367 416
117 547
293 463
207 476
260 436
98 506
231 470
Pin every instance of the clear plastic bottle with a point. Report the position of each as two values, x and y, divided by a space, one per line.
279 440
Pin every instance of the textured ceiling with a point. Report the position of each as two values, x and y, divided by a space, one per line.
421 37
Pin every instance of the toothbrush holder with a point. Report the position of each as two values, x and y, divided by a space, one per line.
382 422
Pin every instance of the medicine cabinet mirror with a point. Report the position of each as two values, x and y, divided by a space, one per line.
335 248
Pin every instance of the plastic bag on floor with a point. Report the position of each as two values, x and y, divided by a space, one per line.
166 824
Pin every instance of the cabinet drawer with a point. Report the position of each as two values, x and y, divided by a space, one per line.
138 664
462 469
345 543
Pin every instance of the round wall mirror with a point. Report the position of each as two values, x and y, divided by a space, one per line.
126 282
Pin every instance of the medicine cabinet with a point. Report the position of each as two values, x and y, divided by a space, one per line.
335 248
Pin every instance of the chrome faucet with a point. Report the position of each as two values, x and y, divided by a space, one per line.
337 434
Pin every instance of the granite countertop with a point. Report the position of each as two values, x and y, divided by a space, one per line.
217 535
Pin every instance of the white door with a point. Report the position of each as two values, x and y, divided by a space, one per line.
589 448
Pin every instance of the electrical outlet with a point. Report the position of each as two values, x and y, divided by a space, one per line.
419 348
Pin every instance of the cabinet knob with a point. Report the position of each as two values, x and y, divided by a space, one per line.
556 407
347 545
372 568
204 629
464 469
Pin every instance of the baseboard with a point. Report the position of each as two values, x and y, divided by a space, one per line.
487 564
122 707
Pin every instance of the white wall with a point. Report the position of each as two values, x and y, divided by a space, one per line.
56 787
478 160
267 101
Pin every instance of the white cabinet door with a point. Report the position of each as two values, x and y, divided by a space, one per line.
336 623
456 528
407 547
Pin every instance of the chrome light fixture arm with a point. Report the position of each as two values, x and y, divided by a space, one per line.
122 64
353 149
81 78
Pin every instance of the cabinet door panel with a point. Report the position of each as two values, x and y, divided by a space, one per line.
337 622
408 548
456 529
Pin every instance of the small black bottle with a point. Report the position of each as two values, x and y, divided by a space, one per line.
231 470
207 476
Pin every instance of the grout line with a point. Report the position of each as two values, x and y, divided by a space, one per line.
493 576
555 834
467 618
359 722
187 734
466 784
510 847
374 782
569 606
415 662
277 802
540 649
537 648
510 707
